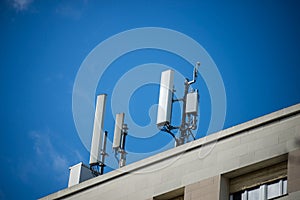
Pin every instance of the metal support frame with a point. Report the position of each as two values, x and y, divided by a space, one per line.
187 125
121 149
98 168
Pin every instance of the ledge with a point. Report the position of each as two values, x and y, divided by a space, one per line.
141 165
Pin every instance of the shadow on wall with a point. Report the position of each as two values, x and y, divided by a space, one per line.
295 158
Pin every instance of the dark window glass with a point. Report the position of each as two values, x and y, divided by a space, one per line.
237 196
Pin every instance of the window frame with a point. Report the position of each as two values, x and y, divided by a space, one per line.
263 190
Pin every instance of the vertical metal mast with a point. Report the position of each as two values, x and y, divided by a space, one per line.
122 151
103 154
184 126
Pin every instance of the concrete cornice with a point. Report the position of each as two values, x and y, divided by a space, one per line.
140 166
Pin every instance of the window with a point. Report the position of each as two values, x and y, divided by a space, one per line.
263 192
173 195
277 189
259 182
253 194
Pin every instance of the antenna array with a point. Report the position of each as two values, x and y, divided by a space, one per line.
99 138
190 102
188 121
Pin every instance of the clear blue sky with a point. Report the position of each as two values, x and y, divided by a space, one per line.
255 45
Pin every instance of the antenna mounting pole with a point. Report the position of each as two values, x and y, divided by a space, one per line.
120 148
122 151
94 167
189 112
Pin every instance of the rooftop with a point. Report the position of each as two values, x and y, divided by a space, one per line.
142 165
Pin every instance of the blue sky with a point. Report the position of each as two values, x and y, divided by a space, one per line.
255 45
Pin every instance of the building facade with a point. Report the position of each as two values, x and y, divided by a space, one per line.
256 160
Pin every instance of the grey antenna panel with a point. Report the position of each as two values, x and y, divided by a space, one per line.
165 98
118 130
98 131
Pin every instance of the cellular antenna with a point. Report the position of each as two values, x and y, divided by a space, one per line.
98 146
190 101
165 98
119 141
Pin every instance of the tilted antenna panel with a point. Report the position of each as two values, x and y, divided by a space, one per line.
118 130
165 98
98 131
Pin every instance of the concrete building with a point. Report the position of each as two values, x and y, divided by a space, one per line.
259 159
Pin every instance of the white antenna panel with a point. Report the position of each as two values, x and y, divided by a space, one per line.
165 98
192 103
98 132
118 130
